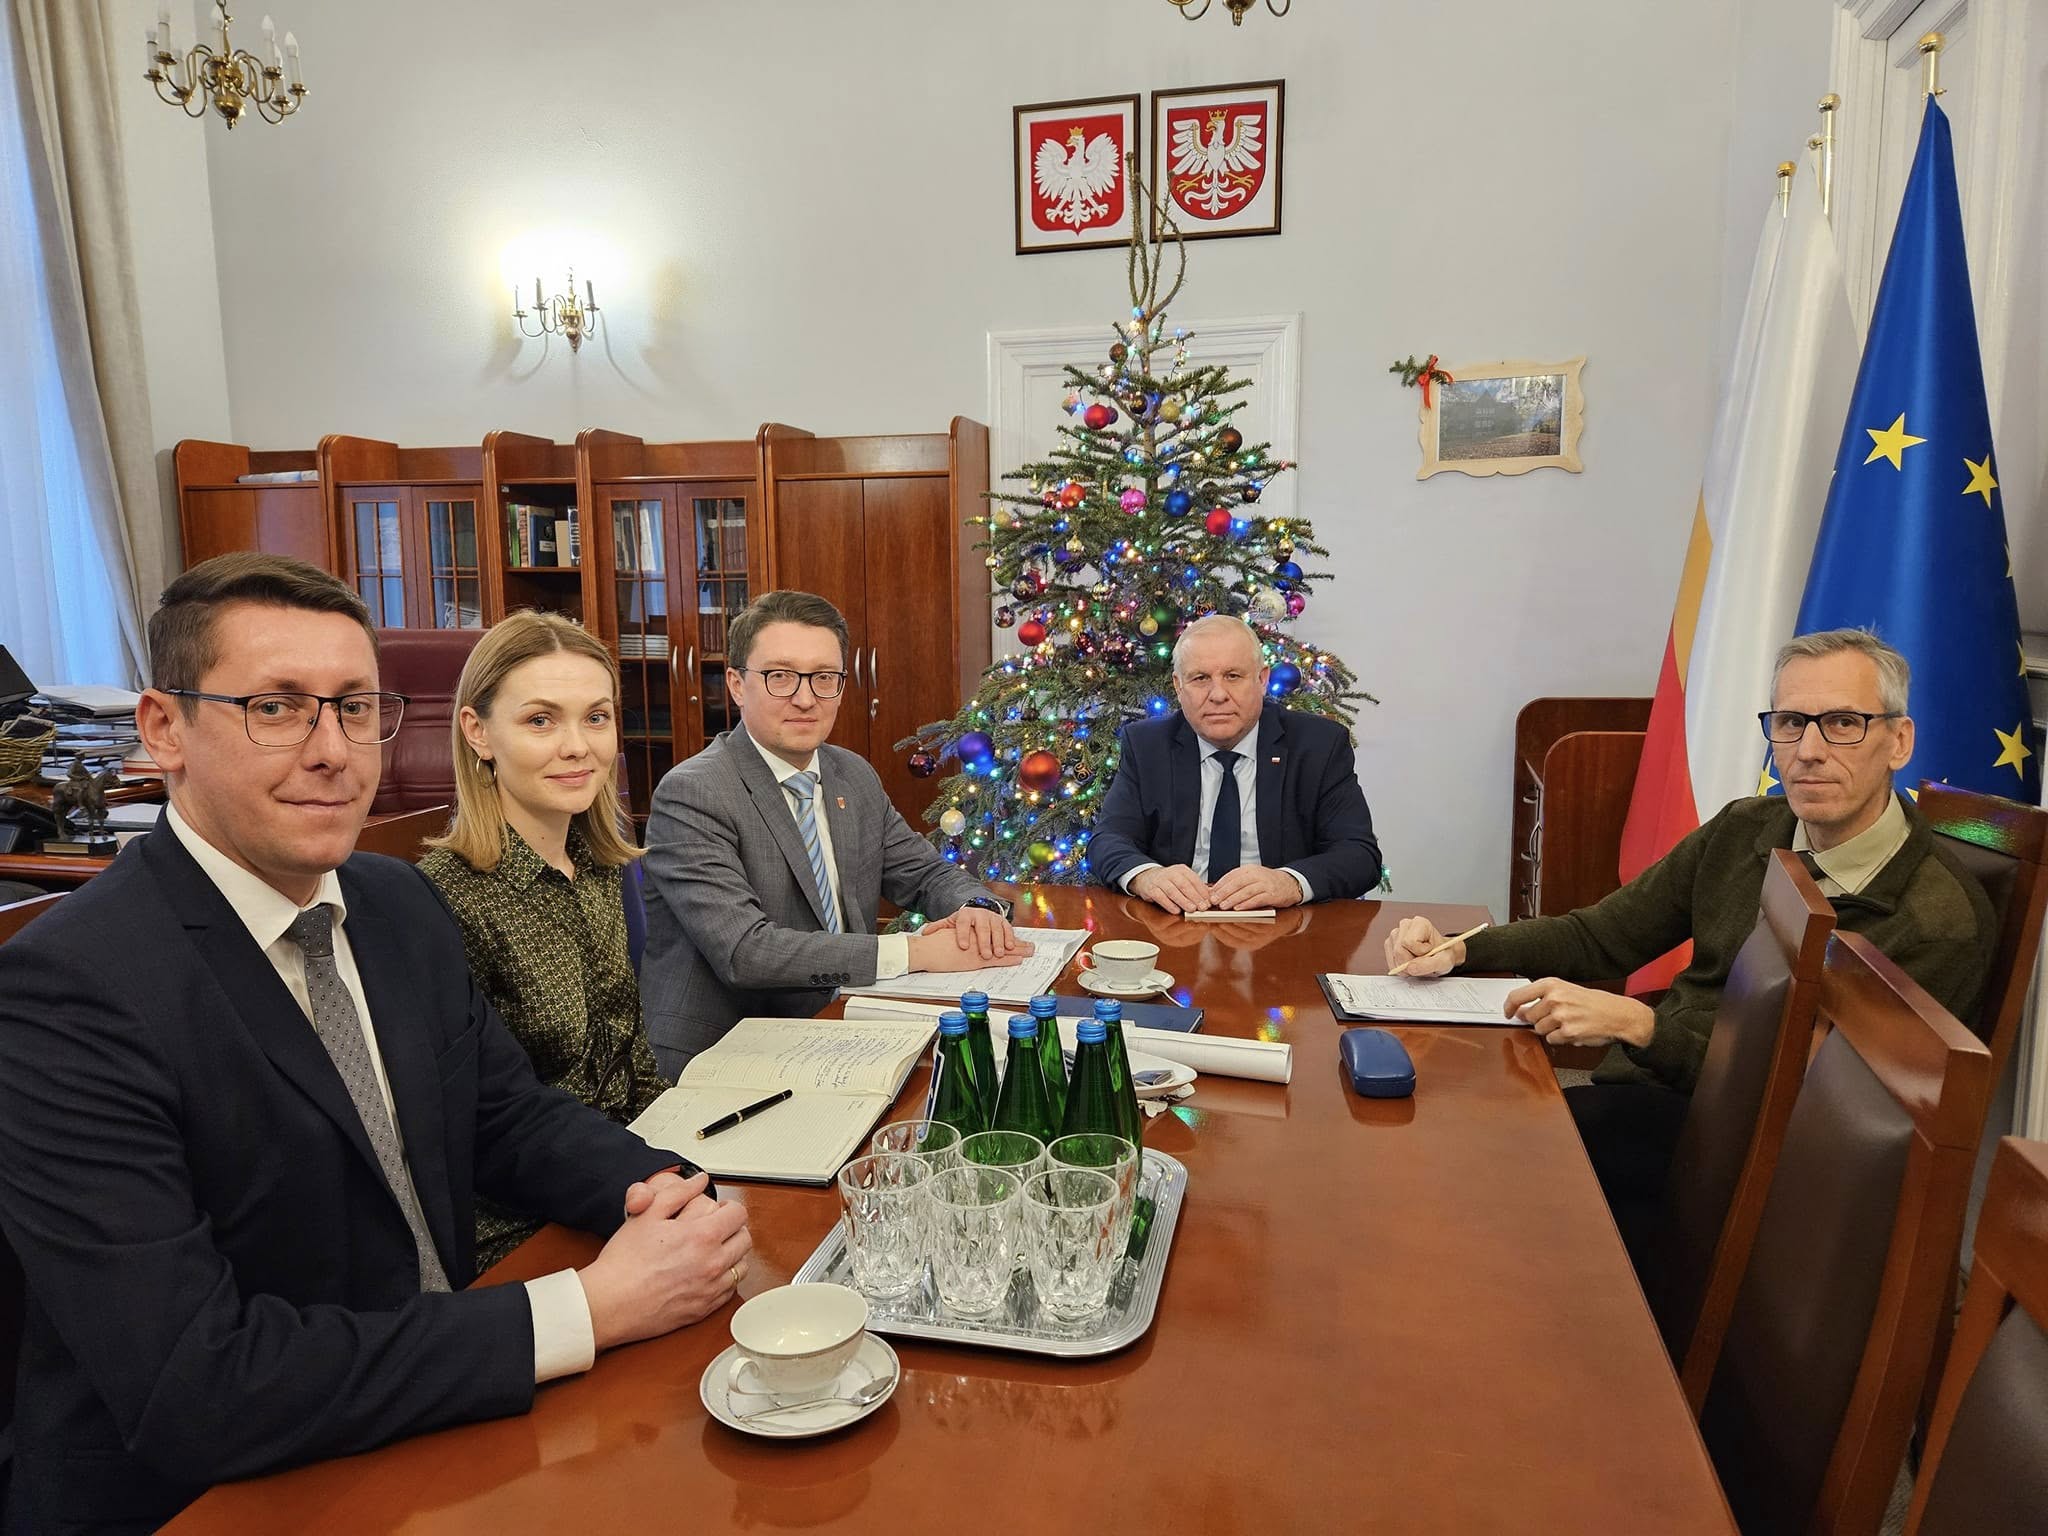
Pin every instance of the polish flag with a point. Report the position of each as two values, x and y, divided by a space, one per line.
1753 531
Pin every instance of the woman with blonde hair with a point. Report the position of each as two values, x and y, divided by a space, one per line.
533 868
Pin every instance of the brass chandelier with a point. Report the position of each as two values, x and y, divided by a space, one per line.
1237 8
230 80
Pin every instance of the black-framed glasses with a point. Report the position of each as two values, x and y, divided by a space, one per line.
286 719
782 683
1838 727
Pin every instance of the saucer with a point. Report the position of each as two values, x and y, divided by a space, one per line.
1093 981
1173 1075
872 1360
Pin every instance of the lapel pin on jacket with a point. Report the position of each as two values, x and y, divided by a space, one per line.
842 801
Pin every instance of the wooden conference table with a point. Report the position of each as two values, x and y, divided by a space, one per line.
1380 1315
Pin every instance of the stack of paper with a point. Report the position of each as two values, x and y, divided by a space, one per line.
1424 999
1051 949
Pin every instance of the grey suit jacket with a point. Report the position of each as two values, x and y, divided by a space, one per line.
734 926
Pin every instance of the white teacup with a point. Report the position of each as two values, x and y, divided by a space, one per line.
1123 962
796 1339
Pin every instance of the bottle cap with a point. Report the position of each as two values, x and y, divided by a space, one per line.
952 1022
974 1002
1109 1010
1023 1026
1045 1006
1090 1031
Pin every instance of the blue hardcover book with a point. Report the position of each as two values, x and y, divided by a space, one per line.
1144 1015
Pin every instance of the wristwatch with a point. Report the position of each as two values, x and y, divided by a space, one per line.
994 904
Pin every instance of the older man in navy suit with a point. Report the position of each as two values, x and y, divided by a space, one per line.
1234 803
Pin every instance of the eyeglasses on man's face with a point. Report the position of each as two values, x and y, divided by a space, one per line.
1838 727
287 719
782 683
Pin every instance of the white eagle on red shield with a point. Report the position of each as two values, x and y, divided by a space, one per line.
1076 185
1218 157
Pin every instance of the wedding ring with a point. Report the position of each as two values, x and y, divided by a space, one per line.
734 1274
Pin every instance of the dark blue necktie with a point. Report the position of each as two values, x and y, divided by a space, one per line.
1224 822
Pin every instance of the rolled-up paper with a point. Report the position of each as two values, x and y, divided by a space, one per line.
1264 1061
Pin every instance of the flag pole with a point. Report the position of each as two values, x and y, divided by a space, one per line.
1828 104
1930 50
1786 171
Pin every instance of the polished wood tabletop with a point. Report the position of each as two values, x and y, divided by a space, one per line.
1406 1315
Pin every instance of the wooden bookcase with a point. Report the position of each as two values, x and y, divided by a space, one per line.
412 529
534 472
217 513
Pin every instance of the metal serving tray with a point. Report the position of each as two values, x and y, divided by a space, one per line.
1018 1323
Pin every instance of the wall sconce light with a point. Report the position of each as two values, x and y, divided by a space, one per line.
564 314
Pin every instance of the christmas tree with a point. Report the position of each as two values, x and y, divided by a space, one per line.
1143 519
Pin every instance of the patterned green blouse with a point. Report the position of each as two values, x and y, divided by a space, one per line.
550 953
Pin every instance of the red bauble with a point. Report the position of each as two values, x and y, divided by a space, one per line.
1218 522
1071 494
1031 632
1039 771
1098 416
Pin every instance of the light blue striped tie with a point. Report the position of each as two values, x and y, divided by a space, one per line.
805 787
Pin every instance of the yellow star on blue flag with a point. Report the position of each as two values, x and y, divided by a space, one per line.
1908 554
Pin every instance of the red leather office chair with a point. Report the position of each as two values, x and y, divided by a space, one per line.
424 665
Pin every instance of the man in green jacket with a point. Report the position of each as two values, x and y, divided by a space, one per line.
1838 730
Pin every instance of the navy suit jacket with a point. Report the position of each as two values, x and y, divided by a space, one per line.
1312 814
220 1282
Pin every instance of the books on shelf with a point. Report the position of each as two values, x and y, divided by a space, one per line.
542 536
843 1075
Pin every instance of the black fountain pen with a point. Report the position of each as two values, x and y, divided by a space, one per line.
748 1113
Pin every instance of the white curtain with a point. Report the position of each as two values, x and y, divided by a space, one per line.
67 603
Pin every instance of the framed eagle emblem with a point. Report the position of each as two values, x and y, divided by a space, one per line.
1216 158
1072 190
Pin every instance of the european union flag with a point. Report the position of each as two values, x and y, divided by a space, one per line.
1912 542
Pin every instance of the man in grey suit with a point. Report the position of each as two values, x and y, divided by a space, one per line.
769 851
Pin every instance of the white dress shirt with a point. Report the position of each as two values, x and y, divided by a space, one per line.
1246 771
1848 867
563 1340
892 957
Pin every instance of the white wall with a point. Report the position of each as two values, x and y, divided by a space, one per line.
801 211
177 280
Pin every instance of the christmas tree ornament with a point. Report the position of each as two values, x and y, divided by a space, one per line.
1250 493
1132 500
1071 401
1098 416
1031 632
991 562
1027 586
1179 503
1229 440
1005 616
1106 372
923 764
1072 494
1077 546
1285 678
1164 614
1240 527
1217 522
1038 771
1295 603
1148 626
953 821
1285 548
1287 570
1269 604
1118 352
1041 853
1170 408
976 747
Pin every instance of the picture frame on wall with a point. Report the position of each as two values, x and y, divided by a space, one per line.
1070 178
1505 419
1216 158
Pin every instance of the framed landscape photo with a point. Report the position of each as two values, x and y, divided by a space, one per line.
1505 419
1071 183
1216 158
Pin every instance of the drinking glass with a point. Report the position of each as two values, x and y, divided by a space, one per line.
974 1227
1108 1154
1019 1151
933 1140
1070 1238
885 1204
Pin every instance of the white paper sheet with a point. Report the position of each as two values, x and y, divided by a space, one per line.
1428 999
1014 985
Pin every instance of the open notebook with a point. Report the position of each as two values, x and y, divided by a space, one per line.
843 1076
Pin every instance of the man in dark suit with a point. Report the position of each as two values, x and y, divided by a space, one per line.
768 854
1233 803
249 1091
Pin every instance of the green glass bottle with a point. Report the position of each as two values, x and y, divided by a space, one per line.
1052 1057
959 1100
1024 1105
1091 1095
1132 1119
981 1043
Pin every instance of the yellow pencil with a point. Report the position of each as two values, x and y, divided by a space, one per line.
1456 938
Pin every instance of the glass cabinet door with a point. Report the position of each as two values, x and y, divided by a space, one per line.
455 580
377 531
639 536
719 523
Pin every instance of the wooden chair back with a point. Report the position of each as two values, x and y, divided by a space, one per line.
1721 1168
1813 1398
403 836
17 915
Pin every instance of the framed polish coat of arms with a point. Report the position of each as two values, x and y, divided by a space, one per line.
1071 181
1216 158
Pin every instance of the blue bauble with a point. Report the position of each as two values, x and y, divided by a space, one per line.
1285 679
976 746
1287 570
1179 503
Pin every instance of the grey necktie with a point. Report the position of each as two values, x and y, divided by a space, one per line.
341 1031
804 786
